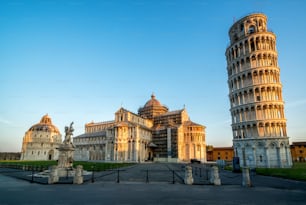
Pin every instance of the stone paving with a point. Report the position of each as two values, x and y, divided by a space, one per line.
265 190
144 173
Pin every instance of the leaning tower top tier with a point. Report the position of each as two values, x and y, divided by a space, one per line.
248 25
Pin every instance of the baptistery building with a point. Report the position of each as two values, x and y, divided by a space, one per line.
255 93
41 141
154 134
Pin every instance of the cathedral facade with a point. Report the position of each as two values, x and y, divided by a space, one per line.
154 134
41 141
255 93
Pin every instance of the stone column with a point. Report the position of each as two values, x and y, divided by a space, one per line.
267 157
279 160
115 151
254 156
106 154
134 158
126 151
136 145
288 156
243 156
131 150
169 143
140 151
78 175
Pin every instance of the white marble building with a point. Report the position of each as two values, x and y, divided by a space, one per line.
152 134
41 141
127 138
255 93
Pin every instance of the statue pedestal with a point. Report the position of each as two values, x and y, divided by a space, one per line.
64 167
65 172
65 158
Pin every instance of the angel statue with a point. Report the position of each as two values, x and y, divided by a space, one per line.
68 134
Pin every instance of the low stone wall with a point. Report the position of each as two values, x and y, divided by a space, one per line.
10 155
164 159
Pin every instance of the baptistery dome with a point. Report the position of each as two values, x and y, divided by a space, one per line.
41 141
45 124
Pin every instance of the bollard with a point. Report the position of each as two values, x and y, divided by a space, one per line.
78 177
173 179
53 177
147 177
32 180
246 181
118 180
92 175
214 176
188 175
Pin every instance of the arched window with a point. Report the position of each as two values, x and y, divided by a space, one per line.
252 45
251 29
241 27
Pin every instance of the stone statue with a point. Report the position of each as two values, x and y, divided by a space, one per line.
66 149
68 134
64 166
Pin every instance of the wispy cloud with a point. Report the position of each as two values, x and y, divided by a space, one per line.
296 103
221 122
4 121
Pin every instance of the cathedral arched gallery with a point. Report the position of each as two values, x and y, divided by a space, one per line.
154 134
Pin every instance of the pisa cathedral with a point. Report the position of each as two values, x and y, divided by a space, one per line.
255 93
154 134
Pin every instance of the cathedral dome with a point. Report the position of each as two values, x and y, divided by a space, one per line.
152 108
45 124
153 102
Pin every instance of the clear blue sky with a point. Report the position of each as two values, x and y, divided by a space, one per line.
81 60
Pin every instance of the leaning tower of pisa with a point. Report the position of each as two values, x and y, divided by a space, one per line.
255 94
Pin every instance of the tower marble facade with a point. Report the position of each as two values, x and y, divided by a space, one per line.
41 141
255 93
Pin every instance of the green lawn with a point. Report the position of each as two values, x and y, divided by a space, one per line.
297 172
100 166
89 166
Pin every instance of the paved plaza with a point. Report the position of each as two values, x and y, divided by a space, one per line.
132 190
